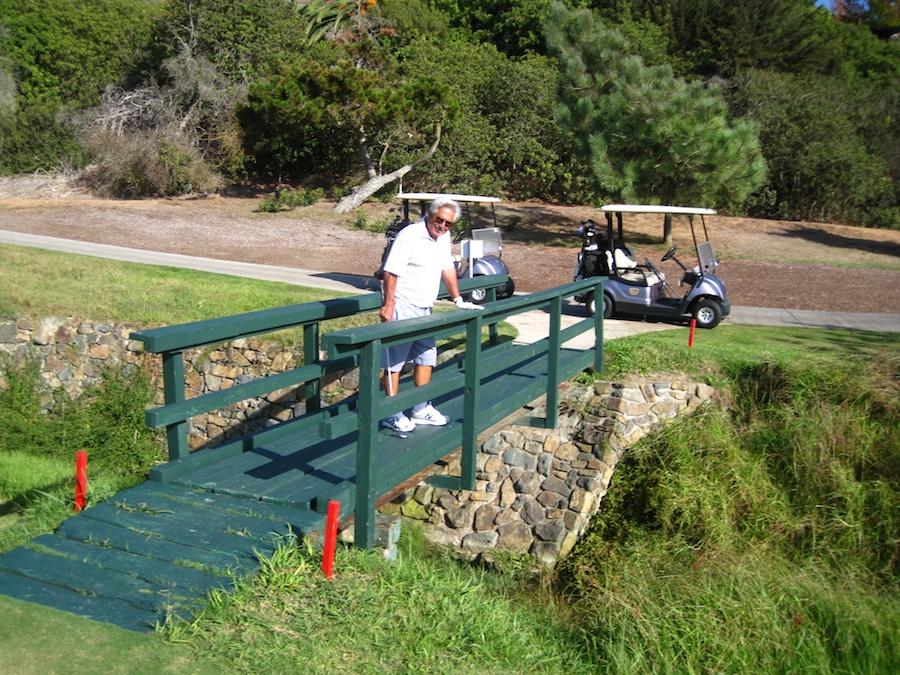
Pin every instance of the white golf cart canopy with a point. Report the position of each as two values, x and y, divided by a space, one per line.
430 196
423 198
655 208
703 248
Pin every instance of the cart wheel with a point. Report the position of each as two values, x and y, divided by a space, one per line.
477 296
607 306
508 289
591 304
708 313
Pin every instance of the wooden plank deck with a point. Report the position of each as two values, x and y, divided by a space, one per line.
148 552
159 548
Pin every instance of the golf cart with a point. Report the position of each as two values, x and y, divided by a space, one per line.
641 289
480 249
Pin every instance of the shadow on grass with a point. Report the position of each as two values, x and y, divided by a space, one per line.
841 242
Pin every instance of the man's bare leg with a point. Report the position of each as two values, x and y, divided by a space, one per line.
422 375
391 382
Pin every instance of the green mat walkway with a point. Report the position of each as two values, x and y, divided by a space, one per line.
146 552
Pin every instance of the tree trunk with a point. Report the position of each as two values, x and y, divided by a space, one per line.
364 152
667 230
362 192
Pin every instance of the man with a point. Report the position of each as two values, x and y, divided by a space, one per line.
419 259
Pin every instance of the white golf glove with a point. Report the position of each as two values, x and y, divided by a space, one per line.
464 304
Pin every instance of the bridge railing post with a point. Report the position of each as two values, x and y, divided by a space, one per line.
311 355
598 326
554 345
173 392
471 401
366 466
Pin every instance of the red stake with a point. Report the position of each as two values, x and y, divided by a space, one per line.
331 525
80 479
693 328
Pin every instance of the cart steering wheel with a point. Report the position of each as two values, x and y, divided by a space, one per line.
669 254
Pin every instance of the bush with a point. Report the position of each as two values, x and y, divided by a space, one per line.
34 138
281 200
61 56
828 149
147 164
38 460
107 421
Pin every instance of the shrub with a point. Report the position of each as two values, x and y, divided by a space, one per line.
828 147
107 421
147 164
289 199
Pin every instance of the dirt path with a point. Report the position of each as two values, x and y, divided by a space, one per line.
764 263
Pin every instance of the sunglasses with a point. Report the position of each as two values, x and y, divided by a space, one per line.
442 221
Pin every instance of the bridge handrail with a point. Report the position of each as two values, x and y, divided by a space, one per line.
172 341
362 347
366 344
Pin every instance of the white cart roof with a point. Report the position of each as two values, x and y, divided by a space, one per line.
429 196
655 208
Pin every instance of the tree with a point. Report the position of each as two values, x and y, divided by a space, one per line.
832 158
359 99
244 39
513 26
647 135
718 37
56 58
327 19
505 140
877 14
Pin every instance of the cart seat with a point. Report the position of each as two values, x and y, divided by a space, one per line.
640 276
623 260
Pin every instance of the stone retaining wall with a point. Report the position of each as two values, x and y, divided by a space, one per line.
536 489
72 355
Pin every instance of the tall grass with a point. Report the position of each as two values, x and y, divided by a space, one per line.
423 613
762 534
37 464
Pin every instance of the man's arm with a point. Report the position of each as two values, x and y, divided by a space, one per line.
389 290
449 278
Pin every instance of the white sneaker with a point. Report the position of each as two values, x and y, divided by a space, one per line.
398 422
429 415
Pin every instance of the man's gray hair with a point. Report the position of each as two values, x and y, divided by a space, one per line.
443 202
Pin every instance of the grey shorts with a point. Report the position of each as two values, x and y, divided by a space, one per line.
421 352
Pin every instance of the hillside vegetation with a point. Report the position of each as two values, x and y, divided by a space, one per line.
768 108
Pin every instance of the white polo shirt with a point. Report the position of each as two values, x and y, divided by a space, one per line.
418 260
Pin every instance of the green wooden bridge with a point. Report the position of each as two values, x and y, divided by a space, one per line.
204 518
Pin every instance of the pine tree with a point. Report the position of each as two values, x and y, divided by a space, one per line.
647 135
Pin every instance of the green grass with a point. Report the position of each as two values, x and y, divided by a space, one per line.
727 347
759 535
41 283
421 613
36 640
